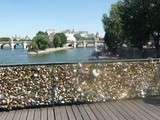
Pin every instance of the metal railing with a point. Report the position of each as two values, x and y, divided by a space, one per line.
27 85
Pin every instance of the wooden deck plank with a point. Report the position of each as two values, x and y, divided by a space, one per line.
4 116
70 113
44 112
105 114
122 112
134 110
90 113
140 111
131 113
148 111
50 114
37 115
10 115
115 111
63 111
107 110
83 112
150 106
1 113
31 113
17 115
24 115
98 115
77 112
57 113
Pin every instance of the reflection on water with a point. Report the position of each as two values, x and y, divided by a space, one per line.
20 56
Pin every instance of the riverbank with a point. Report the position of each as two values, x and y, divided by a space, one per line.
48 50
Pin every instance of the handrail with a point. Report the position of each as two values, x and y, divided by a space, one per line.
83 62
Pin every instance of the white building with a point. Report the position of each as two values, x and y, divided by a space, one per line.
83 34
70 34
50 31
70 37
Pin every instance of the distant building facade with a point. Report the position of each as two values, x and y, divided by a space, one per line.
70 34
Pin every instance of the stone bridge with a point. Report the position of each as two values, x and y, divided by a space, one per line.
13 44
87 43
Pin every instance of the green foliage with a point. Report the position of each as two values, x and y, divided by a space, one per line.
133 22
33 46
63 38
40 41
59 40
113 27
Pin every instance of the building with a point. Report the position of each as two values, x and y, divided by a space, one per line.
70 34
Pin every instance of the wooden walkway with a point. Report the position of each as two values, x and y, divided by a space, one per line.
123 110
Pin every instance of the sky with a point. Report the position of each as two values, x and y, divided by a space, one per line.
26 17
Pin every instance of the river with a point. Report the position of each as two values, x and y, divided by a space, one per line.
20 56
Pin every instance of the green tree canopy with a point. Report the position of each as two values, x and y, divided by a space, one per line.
59 39
40 41
133 22
113 27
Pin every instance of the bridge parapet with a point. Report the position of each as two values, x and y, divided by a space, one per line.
48 84
12 44
85 43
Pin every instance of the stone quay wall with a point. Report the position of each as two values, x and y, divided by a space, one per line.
25 86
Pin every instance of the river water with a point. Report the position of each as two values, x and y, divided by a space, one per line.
20 56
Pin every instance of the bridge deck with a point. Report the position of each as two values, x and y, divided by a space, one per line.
123 110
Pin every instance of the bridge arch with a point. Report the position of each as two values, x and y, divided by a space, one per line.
22 45
18 44
7 45
79 44
90 44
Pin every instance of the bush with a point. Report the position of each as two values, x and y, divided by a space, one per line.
40 41
59 40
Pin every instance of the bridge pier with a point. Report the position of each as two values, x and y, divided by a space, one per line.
12 46
95 44
84 44
24 45
75 45
1 46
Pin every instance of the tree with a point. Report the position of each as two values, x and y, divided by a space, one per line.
63 38
113 27
154 22
33 46
133 22
41 40
59 40
141 20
